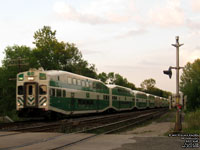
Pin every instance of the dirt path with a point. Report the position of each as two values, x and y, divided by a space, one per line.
158 127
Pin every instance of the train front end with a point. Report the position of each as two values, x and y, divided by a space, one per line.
32 93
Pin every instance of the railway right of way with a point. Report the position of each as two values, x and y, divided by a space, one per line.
94 128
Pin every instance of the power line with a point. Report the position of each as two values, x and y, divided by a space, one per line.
19 62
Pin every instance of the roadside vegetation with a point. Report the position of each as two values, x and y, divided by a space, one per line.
192 122
190 86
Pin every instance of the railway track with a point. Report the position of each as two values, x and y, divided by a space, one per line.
113 127
99 129
67 125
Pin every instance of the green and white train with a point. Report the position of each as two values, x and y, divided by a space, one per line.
45 93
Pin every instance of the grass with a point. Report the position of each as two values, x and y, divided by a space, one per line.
192 120
168 117
13 115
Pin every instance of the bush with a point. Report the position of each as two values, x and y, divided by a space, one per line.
192 120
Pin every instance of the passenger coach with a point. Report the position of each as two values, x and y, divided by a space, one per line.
43 92
49 93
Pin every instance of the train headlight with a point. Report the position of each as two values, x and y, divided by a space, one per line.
30 78
45 104
18 104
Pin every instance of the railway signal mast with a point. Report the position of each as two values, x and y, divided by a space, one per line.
18 63
178 125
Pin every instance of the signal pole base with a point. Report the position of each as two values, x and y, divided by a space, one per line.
178 125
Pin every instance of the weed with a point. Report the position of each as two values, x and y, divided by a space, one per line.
192 120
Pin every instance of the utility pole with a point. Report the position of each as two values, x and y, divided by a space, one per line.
178 124
19 63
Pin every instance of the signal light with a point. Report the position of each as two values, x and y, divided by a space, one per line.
168 72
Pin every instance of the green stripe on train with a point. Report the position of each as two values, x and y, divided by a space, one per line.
123 104
77 104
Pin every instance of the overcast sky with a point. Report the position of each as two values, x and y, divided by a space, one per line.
129 37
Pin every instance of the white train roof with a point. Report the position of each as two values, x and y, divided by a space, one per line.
113 86
150 94
140 92
60 72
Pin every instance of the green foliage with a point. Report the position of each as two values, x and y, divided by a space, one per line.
54 55
192 120
49 53
148 86
24 54
103 77
190 84
7 87
117 79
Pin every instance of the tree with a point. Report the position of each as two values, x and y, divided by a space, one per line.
46 48
117 79
190 84
49 53
8 74
148 84
54 55
103 77
111 78
24 54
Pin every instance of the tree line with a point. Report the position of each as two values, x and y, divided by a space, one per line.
51 54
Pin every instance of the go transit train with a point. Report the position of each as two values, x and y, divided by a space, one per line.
42 93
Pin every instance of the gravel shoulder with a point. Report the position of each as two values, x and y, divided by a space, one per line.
155 128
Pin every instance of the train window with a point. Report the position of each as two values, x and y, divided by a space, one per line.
87 84
20 90
114 97
64 93
106 97
98 86
42 76
58 91
79 82
83 83
94 85
43 89
53 92
69 80
30 90
87 95
74 81
90 84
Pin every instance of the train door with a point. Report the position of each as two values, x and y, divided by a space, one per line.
72 102
97 103
31 95
119 104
